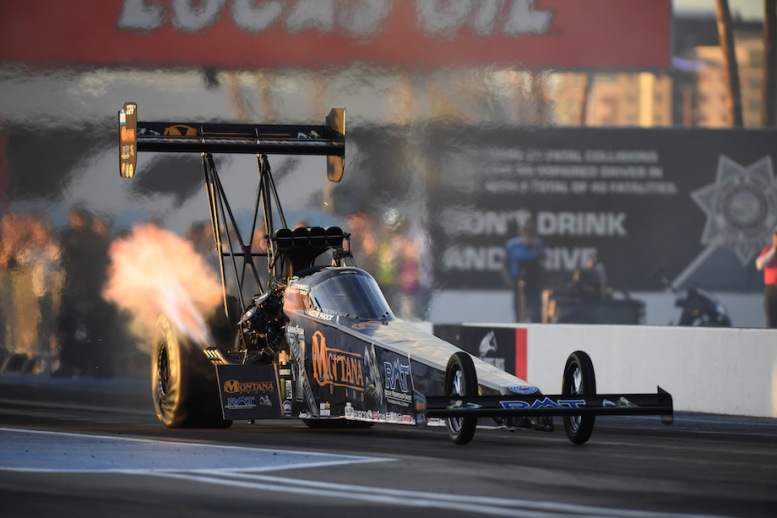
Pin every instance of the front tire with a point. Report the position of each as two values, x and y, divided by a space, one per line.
184 385
579 380
461 380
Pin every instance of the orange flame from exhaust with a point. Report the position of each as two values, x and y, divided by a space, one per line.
153 272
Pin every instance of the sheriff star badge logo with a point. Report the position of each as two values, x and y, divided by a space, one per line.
741 207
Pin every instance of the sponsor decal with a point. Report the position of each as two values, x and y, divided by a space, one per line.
457 403
127 151
398 372
234 386
127 139
242 403
297 345
523 389
180 130
360 415
398 398
318 314
337 368
395 417
621 403
295 331
287 408
324 410
301 289
395 382
487 351
289 392
127 170
284 372
248 391
543 403
127 134
373 389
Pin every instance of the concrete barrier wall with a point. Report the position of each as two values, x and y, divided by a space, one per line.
722 371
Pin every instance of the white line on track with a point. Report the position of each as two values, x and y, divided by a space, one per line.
77 406
241 467
59 452
398 497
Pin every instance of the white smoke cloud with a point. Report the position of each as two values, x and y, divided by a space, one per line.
153 272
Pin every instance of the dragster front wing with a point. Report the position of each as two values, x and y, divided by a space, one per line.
515 405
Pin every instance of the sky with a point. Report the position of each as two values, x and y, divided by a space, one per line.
747 9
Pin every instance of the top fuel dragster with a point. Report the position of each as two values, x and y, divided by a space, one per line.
318 342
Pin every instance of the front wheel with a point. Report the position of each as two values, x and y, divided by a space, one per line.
579 380
461 380
184 385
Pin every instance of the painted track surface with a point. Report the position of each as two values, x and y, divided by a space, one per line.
77 448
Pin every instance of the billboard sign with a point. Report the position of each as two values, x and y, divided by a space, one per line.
699 204
424 34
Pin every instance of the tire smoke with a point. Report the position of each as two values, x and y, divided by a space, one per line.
152 272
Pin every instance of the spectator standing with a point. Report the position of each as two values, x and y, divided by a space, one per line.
591 281
767 262
11 239
43 259
387 257
524 272
30 266
408 274
364 243
21 311
85 319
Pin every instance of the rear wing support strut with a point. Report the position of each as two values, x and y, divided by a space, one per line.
219 210
224 240
269 195
327 139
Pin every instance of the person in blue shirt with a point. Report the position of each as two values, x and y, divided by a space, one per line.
524 272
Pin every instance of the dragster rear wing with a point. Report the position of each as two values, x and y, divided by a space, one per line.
187 137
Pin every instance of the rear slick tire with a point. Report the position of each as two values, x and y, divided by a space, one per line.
184 385
579 380
461 380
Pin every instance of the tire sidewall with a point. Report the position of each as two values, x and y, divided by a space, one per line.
168 406
579 432
461 362
192 397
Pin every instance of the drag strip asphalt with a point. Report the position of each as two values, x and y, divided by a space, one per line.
35 450
80 447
